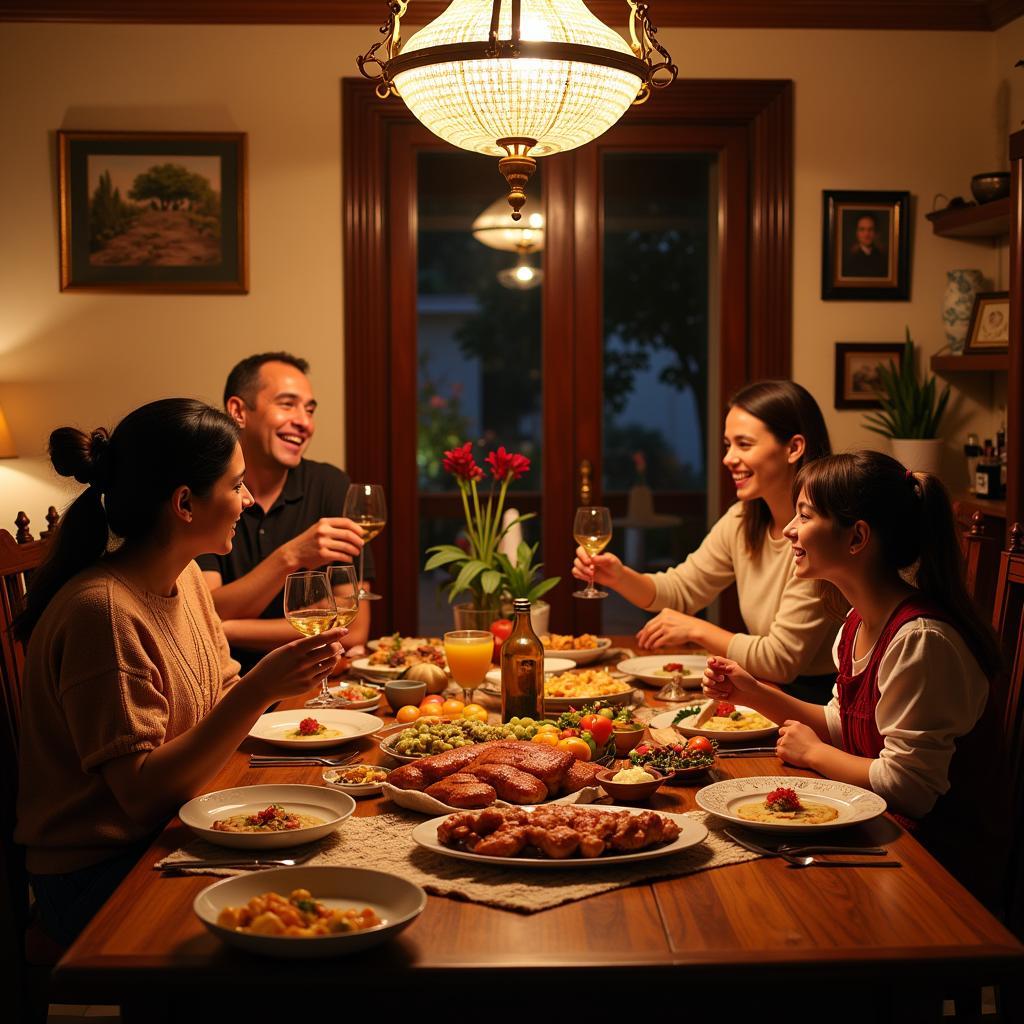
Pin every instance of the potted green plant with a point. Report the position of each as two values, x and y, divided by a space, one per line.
910 413
521 580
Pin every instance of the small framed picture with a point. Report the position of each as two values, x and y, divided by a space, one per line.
857 365
990 323
865 245
152 211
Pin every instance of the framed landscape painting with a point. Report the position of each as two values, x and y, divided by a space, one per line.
857 365
865 245
152 211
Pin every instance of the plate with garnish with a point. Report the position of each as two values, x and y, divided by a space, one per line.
314 728
658 669
789 803
719 720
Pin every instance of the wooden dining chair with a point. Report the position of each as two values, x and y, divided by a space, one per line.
981 544
1008 620
27 951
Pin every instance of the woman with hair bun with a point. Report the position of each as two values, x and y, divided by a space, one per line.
772 428
914 659
132 702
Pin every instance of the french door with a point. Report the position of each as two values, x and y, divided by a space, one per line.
686 202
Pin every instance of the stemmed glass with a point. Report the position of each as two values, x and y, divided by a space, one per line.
365 505
469 653
309 607
592 529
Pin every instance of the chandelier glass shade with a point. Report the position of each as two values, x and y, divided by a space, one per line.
494 229
518 79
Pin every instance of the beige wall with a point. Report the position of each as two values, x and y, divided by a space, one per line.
918 111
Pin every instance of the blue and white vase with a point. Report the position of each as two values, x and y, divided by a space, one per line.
957 303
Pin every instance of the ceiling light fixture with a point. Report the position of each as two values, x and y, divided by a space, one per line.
493 229
518 79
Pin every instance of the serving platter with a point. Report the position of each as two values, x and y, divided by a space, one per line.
647 668
586 656
691 833
200 813
396 901
492 680
687 728
276 726
855 805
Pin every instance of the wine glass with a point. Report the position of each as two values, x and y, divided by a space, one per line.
592 529
469 653
365 506
309 607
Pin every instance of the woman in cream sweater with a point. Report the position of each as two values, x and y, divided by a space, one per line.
772 428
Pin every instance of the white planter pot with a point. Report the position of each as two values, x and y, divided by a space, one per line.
921 456
540 616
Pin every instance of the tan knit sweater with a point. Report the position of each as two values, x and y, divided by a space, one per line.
110 670
789 632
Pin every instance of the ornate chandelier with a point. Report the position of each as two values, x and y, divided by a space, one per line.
492 228
518 79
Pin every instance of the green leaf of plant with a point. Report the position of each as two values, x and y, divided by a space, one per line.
490 581
469 572
543 587
453 554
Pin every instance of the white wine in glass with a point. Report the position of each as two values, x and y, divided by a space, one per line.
345 587
365 506
592 529
309 607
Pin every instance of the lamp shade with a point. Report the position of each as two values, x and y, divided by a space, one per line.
494 229
7 449
556 102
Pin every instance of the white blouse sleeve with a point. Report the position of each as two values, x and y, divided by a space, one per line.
931 691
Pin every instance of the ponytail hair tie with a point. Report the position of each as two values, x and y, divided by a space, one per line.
910 476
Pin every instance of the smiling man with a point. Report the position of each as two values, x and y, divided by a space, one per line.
294 522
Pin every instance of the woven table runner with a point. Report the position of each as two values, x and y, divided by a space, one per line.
384 842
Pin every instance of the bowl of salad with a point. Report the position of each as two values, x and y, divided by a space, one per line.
678 761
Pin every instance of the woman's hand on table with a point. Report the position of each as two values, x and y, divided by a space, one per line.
298 666
670 628
797 743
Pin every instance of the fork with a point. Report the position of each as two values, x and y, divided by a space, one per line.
808 861
271 761
251 864
746 752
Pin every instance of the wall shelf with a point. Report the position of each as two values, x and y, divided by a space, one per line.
988 220
971 363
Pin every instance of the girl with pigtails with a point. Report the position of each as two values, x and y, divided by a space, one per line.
914 658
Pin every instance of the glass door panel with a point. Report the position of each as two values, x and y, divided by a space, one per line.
478 345
659 211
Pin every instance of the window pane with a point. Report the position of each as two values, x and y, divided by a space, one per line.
657 215
478 348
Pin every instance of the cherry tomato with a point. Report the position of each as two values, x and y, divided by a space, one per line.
545 736
434 698
701 744
452 707
577 747
601 729
409 713
500 628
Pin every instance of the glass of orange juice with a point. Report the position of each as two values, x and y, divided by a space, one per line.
469 653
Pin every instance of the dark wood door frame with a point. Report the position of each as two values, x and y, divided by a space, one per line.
378 326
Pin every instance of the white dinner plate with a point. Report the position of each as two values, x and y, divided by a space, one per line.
685 727
492 680
276 726
367 704
407 641
587 656
650 669
691 833
854 804
395 900
200 814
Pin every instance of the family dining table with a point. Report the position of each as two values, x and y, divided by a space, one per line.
877 944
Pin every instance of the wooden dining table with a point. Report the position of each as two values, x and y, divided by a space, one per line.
878 944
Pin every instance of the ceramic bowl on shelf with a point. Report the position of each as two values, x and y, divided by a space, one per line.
992 185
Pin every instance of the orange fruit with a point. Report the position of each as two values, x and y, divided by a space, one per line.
547 736
474 713
577 747
452 707
409 713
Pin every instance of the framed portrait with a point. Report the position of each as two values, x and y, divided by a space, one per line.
989 330
857 365
152 211
865 245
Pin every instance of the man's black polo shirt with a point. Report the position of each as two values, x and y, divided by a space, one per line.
312 491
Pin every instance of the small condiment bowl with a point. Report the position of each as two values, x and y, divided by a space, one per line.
627 739
333 777
400 692
629 792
